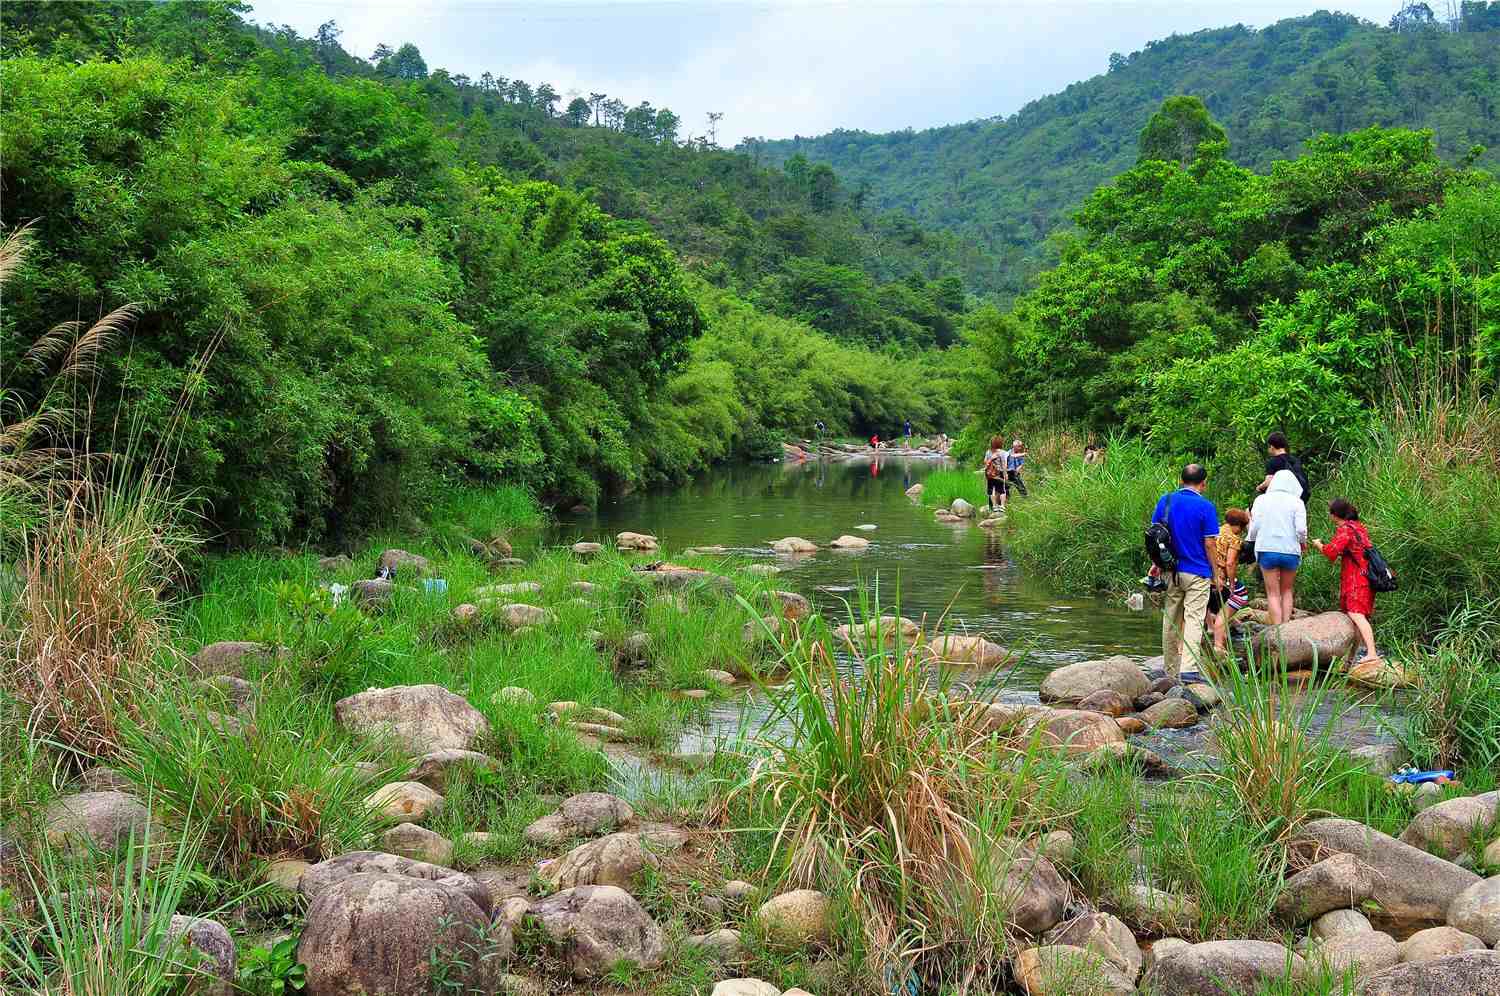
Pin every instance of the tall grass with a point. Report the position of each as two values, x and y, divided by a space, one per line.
1452 720
91 938
1083 523
1274 744
881 794
1427 483
940 487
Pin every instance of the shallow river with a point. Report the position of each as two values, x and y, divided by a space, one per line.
958 570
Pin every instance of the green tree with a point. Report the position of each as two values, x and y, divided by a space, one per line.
1177 131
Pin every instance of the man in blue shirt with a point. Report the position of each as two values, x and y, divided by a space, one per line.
1194 524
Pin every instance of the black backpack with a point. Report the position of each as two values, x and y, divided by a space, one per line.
1378 572
1159 541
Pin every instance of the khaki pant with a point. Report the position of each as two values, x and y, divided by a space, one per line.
1182 620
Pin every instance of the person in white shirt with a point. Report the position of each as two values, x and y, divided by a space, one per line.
1278 528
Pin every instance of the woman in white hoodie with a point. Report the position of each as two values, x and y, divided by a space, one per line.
1278 528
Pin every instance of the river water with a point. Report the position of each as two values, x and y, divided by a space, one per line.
960 571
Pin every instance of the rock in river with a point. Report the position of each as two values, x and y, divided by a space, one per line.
1324 637
1074 681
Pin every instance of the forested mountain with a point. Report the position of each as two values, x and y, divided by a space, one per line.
1007 182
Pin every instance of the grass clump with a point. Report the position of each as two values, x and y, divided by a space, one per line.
900 806
1452 719
940 487
1083 524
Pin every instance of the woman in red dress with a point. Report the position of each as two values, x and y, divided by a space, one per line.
1350 541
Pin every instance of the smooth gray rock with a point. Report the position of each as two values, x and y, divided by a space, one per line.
1473 973
99 819
1338 882
204 946
1446 828
1412 887
1476 910
1223 968
227 657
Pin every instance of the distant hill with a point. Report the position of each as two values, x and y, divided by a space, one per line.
1006 183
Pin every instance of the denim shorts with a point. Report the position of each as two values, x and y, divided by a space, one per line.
1278 561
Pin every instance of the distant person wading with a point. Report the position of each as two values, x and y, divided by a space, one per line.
995 472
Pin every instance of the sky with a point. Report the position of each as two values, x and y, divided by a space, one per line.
793 67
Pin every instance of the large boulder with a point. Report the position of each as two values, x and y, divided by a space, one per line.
1078 732
594 927
961 508
1470 973
1170 713
1073 682
1439 942
617 859
227 657
206 949
1029 887
103 820
1064 970
642 542
1338 923
793 605
1341 881
1223 968
402 563
373 594
797 919
1445 829
424 718
326 874
1412 887
1320 638
378 933
1476 910
968 650
847 542
794 544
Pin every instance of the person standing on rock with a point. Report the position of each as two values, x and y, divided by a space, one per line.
1349 543
907 426
1193 522
1222 601
994 473
1278 528
1278 459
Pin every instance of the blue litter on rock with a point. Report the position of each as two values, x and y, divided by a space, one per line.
1419 777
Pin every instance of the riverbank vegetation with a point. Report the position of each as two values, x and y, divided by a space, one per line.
365 305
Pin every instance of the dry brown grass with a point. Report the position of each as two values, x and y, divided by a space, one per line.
95 545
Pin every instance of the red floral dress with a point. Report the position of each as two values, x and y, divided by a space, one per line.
1350 541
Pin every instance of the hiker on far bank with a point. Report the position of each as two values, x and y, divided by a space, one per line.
1013 461
1278 528
994 473
1193 524
1351 544
908 433
1280 458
